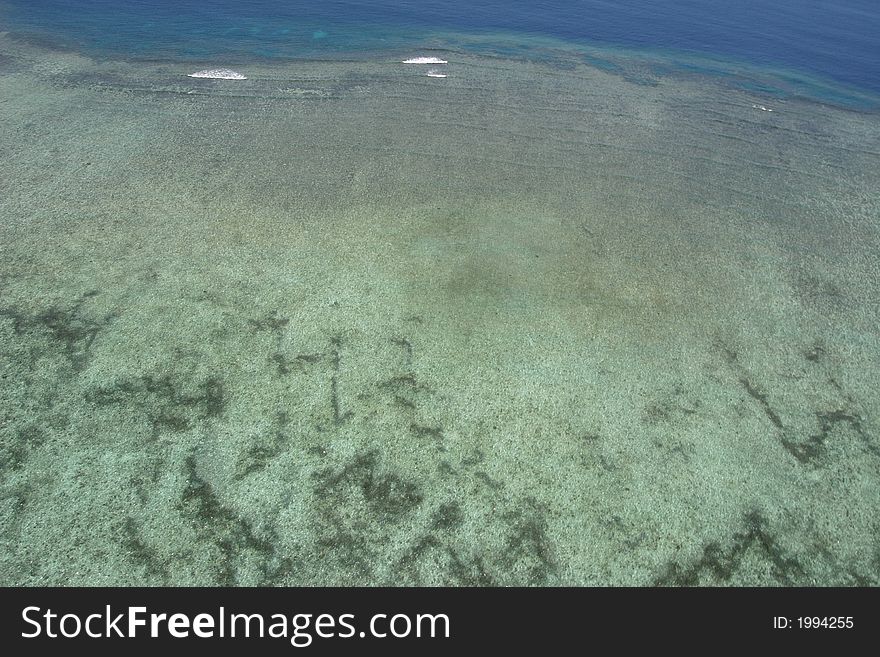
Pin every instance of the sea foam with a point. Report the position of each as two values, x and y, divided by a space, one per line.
425 60
218 74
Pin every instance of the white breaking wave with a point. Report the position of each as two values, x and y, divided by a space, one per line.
218 74
434 73
425 60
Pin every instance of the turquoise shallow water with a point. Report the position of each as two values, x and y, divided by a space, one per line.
570 315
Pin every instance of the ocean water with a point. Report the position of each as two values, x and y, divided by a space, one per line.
599 307
838 40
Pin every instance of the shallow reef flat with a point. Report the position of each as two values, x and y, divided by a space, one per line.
540 322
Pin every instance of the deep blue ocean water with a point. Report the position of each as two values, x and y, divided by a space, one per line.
835 40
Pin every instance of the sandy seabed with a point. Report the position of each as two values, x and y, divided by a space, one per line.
536 323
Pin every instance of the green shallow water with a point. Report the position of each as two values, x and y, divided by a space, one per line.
341 323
